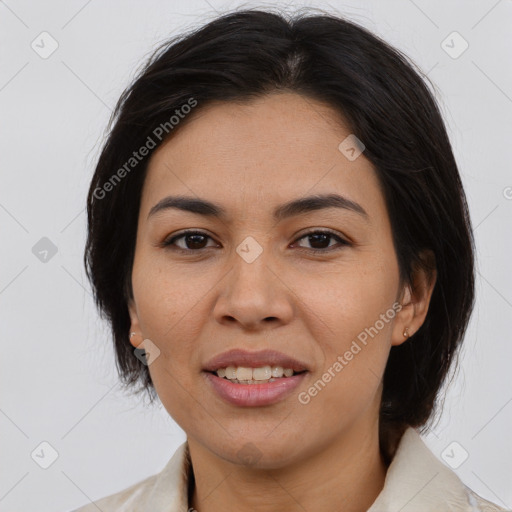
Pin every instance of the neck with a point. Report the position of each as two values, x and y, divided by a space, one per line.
345 475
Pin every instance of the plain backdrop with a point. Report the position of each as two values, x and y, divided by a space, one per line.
58 380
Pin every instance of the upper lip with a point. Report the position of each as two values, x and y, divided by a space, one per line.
239 357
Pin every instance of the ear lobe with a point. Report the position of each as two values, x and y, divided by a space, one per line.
135 340
403 318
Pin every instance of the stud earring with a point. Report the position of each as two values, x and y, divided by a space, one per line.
406 334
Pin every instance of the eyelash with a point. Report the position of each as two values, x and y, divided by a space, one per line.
169 242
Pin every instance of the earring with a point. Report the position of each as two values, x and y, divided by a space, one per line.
406 334
132 334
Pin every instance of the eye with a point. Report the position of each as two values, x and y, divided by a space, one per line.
320 238
194 241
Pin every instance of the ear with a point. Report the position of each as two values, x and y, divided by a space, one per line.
415 299
135 325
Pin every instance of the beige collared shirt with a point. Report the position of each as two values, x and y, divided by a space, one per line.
416 481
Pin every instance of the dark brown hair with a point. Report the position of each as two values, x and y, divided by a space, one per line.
387 105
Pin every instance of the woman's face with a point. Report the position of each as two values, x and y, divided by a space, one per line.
252 280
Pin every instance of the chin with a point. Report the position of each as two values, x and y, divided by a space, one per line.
259 451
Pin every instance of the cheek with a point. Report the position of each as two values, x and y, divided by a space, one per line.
351 297
187 408
354 357
352 316
168 309
165 297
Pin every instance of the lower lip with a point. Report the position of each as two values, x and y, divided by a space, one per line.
254 395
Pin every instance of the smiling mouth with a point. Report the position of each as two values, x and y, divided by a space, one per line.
260 375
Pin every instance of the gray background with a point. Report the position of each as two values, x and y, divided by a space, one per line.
58 382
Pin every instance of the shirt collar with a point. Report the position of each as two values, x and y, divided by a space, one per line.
170 490
417 481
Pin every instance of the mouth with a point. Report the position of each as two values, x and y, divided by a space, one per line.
251 379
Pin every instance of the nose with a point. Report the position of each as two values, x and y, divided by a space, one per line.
254 295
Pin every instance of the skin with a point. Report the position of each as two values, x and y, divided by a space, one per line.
250 158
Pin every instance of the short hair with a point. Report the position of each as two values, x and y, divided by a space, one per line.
384 99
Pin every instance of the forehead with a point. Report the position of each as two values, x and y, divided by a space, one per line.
259 154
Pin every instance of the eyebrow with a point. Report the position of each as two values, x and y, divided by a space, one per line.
295 207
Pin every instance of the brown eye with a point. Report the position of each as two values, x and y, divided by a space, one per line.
320 240
193 241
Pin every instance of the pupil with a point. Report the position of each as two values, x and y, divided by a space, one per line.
194 242
316 237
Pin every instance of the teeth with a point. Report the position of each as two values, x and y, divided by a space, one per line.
263 373
247 375
277 371
231 372
243 373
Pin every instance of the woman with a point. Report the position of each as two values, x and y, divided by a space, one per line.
279 238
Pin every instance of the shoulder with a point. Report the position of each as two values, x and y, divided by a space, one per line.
166 490
480 504
417 481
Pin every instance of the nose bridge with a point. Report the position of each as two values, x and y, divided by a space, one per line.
251 261
252 291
